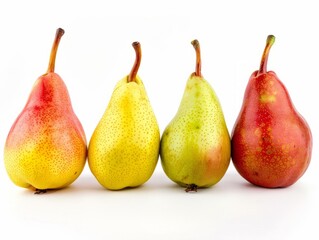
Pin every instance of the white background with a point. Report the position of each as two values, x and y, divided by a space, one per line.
96 52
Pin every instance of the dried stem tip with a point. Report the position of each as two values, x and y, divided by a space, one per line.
198 67
264 59
58 35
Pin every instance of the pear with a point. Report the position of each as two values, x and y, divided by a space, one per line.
271 141
195 146
124 147
46 146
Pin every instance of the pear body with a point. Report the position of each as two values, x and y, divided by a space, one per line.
46 146
195 146
124 147
271 141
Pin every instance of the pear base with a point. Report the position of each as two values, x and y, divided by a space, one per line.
191 188
40 191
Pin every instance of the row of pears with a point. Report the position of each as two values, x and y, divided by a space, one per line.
270 145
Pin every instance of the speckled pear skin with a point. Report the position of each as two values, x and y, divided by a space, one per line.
46 146
271 141
195 146
124 147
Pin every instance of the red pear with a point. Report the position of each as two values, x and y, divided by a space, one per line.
271 141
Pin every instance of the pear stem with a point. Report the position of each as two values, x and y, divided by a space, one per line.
138 51
264 60
58 35
198 67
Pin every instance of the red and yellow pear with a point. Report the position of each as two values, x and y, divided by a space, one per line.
46 146
271 141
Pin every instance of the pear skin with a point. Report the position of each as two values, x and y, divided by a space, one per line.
271 141
46 146
124 148
195 146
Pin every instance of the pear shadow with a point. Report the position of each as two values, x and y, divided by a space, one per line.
126 189
172 186
89 183
235 179
30 192
80 185
249 185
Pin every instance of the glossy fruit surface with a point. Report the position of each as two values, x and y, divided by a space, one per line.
195 146
271 141
124 147
46 146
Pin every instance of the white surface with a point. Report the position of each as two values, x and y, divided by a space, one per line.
96 52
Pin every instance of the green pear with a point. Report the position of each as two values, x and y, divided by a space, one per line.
195 146
124 147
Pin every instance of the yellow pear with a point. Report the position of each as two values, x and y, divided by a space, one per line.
46 146
124 147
